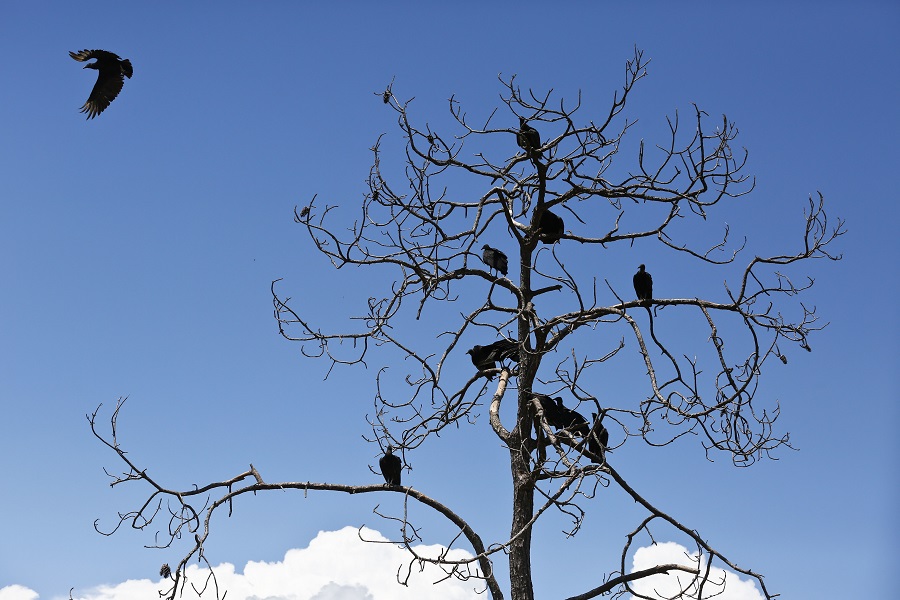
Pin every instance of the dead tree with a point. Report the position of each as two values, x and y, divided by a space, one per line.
431 237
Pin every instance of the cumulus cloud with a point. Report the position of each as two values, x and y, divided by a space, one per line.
336 565
17 592
666 586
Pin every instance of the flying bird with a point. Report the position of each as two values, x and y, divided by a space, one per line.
495 259
390 467
487 357
111 73
528 138
551 227
643 285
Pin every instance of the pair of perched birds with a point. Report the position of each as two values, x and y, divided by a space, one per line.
111 74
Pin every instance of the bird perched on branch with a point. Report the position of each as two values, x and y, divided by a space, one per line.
643 285
571 420
495 259
111 73
165 571
551 227
550 410
598 441
390 467
487 357
528 138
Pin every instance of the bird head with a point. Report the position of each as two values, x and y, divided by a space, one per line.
640 267
92 65
390 450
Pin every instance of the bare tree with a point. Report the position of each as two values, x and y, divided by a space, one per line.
549 184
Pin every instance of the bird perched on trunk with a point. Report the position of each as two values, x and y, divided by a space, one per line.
551 227
111 74
390 467
495 259
528 138
643 285
487 357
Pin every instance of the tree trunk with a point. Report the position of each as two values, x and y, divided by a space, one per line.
521 587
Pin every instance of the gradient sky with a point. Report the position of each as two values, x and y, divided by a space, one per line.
137 251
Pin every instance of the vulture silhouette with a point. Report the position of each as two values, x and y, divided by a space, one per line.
495 259
643 285
390 467
111 73
598 441
571 420
528 138
551 227
551 411
165 571
560 416
487 357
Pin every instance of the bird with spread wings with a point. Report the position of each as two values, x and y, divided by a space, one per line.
111 74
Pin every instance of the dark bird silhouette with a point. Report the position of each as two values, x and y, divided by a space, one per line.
551 227
551 411
111 73
487 357
598 441
390 467
164 571
571 420
528 138
386 96
643 285
495 259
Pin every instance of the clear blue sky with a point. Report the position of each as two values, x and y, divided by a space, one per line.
137 250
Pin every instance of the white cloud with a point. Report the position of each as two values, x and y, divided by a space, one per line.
336 565
17 592
666 586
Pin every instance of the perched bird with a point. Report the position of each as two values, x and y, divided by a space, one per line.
598 441
551 227
487 357
550 410
495 259
571 420
528 138
390 467
111 73
304 212
386 96
164 571
643 285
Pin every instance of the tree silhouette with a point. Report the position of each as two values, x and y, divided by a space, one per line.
443 299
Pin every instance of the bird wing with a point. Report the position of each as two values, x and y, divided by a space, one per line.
109 84
86 55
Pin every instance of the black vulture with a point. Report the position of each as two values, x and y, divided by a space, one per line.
643 285
551 227
551 411
164 571
528 138
111 73
486 357
598 441
571 420
495 259
386 96
390 467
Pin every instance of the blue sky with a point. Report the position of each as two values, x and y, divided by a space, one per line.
137 251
